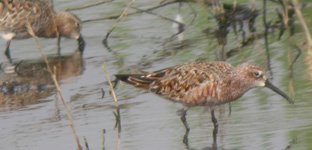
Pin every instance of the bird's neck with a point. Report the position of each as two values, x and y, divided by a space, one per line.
52 31
236 86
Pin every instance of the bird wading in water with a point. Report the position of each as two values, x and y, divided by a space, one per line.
20 18
202 84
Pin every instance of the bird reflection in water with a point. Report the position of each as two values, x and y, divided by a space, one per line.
32 81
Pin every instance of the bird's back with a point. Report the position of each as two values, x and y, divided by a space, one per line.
190 84
18 15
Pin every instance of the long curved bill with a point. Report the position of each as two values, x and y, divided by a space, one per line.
278 91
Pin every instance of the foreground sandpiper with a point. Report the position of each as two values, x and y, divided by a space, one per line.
202 83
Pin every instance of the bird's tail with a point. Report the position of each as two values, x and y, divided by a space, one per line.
138 80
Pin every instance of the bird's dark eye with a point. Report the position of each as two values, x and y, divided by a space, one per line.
257 74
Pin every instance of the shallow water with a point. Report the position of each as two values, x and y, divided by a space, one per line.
260 119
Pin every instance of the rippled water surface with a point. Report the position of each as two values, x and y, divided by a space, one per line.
260 119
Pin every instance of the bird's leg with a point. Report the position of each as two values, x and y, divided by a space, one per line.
230 108
81 44
214 144
59 45
182 112
7 51
215 129
214 119
215 124
10 67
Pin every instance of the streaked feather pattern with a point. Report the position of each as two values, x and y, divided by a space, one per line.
202 83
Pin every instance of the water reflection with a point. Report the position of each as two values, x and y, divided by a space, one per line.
214 131
32 81
259 120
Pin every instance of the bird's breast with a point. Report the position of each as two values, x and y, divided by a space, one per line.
206 94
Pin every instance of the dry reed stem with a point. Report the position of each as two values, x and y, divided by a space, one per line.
285 15
308 37
234 4
304 26
111 87
131 13
88 5
117 113
291 88
113 93
157 15
124 13
59 92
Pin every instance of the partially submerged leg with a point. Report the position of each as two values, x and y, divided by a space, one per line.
81 44
8 67
7 51
182 112
214 119
215 125
59 45
230 108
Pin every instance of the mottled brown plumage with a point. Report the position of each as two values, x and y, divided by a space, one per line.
18 18
202 83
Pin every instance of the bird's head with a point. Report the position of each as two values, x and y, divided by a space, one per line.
255 76
69 25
